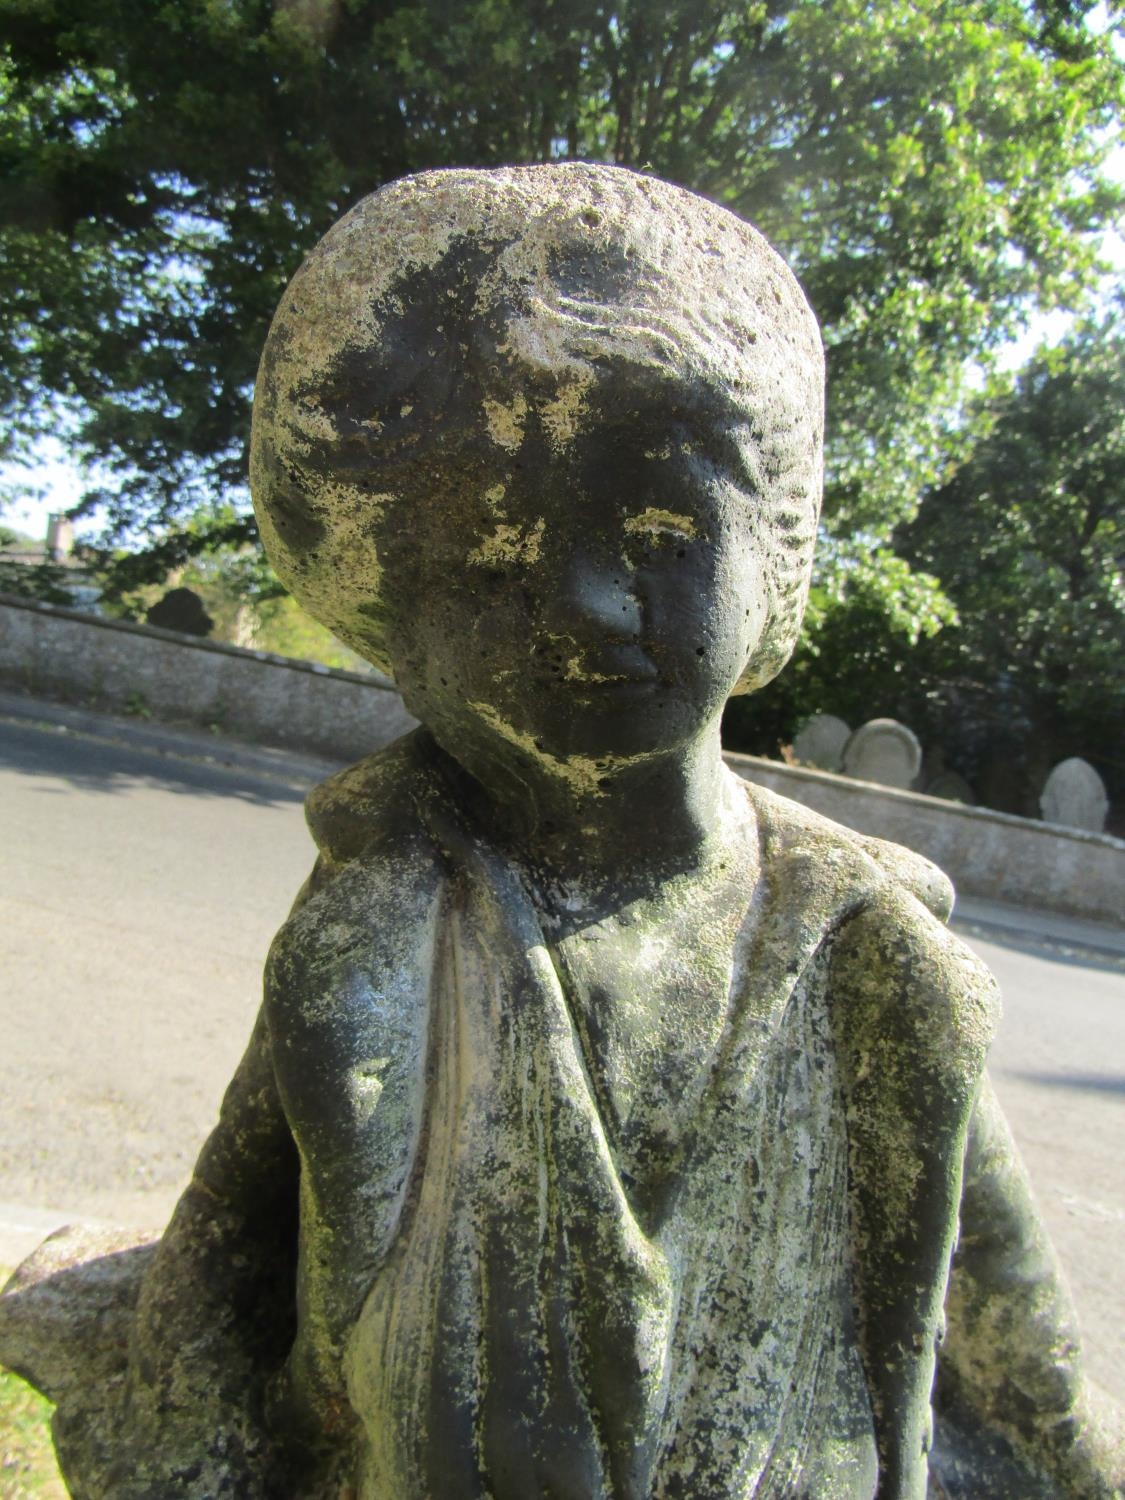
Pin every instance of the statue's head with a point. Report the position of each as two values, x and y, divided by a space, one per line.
542 431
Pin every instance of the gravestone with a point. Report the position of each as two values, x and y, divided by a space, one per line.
609 1122
820 742
181 610
951 786
1074 795
883 751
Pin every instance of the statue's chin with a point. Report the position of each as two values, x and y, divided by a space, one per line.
599 730
651 727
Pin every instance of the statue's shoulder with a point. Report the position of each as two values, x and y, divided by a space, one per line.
370 802
348 993
377 878
844 857
893 959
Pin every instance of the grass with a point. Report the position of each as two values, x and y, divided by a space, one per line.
27 1461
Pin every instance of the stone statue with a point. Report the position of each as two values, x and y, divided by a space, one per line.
608 1121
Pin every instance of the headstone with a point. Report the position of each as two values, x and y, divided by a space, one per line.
951 786
181 610
820 742
1074 795
604 1132
883 751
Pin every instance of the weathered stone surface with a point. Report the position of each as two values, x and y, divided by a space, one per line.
66 1319
821 742
883 751
1016 1419
493 325
1074 795
65 1315
602 1131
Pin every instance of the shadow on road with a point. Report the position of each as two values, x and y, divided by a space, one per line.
1055 950
90 764
1101 1083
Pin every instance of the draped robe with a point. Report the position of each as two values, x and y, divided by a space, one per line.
502 1316
488 1303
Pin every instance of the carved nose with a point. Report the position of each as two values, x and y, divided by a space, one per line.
604 600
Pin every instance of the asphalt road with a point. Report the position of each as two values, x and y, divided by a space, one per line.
139 892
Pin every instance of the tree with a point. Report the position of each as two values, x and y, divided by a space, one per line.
1028 538
1027 666
26 578
932 172
865 633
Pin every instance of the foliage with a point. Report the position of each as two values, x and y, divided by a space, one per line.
25 578
250 607
46 581
283 627
858 654
1028 539
239 590
930 170
207 548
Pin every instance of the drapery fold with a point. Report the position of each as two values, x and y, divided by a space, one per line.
529 1334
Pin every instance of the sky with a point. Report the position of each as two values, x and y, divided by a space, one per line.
60 484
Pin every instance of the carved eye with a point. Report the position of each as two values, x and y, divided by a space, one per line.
655 527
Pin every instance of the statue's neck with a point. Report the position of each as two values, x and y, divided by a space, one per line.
633 826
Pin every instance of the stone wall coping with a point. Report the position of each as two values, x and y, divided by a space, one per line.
197 643
852 785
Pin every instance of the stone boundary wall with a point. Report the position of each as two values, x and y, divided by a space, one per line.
123 667
989 854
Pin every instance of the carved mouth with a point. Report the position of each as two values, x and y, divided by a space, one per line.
617 667
590 686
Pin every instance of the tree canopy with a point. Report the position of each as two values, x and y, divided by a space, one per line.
931 170
1028 539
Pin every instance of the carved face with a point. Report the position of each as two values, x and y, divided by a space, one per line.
600 603
461 331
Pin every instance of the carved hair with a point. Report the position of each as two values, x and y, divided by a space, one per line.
528 287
